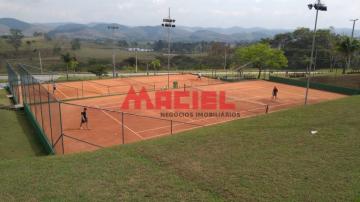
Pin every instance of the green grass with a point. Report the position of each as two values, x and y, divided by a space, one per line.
17 137
267 158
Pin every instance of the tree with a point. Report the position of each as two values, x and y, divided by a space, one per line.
123 44
15 38
155 63
70 61
348 47
260 56
75 44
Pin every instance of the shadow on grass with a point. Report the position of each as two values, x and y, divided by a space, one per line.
30 134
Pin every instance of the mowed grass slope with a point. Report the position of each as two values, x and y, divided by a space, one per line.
272 157
17 137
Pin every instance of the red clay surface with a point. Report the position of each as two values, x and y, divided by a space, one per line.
83 89
108 126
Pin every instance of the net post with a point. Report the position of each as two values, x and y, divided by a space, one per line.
51 130
122 128
171 127
267 109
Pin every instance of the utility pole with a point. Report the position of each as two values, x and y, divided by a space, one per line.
353 29
169 23
352 38
113 28
41 66
136 60
225 62
318 6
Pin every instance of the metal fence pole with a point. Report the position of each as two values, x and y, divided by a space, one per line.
61 128
122 127
51 131
41 113
32 83
171 127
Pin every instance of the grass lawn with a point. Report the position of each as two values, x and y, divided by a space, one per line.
17 137
267 158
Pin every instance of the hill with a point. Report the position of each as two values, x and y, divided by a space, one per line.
268 158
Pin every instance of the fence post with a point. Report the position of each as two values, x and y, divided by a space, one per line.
51 132
122 127
41 113
34 96
171 127
61 128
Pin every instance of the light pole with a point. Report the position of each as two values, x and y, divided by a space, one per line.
353 29
113 28
169 23
352 37
318 7
225 62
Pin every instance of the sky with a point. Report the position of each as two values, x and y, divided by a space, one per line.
283 14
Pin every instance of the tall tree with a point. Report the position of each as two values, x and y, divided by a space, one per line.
15 38
260 56
70 61
348 47
155 63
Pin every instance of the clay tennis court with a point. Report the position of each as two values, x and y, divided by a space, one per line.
109 125
93 88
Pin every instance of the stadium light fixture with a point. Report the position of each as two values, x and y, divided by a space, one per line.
318 7
113 28
168 23
353 29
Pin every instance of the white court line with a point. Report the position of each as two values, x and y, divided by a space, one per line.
61 93
141 137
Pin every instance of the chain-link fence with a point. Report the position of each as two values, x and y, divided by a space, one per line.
43 110
14 83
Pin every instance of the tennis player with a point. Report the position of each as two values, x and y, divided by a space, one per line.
275 92
54 87
84 119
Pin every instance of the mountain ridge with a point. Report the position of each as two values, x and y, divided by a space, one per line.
145 33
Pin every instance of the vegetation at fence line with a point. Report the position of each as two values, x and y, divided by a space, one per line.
259 158
17 139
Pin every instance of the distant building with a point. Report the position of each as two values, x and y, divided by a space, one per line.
140 50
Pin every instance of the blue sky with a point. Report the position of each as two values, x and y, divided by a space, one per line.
205 13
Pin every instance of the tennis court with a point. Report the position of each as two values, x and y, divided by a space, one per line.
110 125
104 87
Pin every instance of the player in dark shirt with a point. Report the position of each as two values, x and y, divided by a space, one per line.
84 118
275 92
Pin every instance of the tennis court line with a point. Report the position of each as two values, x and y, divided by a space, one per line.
141 137
57 89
